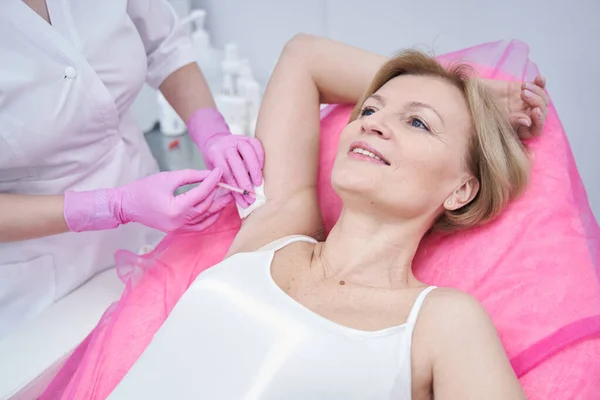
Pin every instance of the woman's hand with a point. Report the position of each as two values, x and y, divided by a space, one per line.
151 202
525 103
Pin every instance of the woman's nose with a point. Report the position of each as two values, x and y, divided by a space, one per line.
374 125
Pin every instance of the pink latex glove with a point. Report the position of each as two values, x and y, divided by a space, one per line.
241 158
151 202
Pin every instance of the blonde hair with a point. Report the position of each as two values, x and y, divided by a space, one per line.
495 154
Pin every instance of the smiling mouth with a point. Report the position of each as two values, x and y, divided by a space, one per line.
368 153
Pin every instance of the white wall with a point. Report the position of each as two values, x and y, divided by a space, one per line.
564 38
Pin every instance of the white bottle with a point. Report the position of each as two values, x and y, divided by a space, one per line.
170 122
249 89
231 62
207 57
232 106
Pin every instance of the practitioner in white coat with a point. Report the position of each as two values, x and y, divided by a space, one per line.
77 179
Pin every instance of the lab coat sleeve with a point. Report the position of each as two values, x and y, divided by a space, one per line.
168 46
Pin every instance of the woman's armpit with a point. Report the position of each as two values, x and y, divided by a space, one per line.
298 215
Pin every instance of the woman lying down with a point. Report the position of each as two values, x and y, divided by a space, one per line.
289 316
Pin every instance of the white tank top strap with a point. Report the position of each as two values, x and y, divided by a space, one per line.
284 241
414 312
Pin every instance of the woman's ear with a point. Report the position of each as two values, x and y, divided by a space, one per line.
462 195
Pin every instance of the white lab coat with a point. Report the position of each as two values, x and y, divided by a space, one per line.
65 94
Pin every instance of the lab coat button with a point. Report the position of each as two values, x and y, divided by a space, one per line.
70 72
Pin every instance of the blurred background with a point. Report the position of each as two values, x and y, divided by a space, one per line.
563 36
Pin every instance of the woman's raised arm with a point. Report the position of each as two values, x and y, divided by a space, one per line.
310 71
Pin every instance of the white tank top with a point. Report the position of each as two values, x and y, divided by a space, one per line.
236 335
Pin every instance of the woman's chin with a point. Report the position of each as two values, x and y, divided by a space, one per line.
346 182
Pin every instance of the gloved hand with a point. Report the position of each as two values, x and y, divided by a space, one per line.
241 158
151 202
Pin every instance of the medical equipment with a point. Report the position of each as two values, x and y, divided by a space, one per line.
240 191
240 95
237 94
207 57
232 106
249 89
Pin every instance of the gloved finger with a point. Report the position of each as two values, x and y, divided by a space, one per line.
251 160
229 178
203 190
205 224
220 203
258 148
234 159
187 177
212 204
221 162
216 207
539 119
203 206
231 181
240 174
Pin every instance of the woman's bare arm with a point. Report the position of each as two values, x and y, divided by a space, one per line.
469 361
25 217
310 70
187 91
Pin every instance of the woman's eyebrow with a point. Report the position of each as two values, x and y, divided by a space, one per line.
417 104
377 97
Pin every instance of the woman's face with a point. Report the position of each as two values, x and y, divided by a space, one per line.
404 156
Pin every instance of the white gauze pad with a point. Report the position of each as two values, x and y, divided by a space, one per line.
258 202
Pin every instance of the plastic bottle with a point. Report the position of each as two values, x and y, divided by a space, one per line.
207 57
231 62
232 106
170 122
249 89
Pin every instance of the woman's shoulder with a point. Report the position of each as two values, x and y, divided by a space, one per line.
462 347
450 312
451 297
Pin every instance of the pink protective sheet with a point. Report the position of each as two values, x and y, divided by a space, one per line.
535 269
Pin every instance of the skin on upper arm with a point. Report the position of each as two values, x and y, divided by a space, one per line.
468 359
288 127
310 70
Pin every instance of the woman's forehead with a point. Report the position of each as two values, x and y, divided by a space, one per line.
430 91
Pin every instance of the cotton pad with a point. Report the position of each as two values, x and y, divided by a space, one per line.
259 191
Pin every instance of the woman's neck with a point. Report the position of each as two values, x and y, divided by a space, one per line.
370 252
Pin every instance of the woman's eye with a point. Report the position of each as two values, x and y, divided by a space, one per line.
367 111
417 123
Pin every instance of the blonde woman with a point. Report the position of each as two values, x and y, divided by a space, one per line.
290 314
